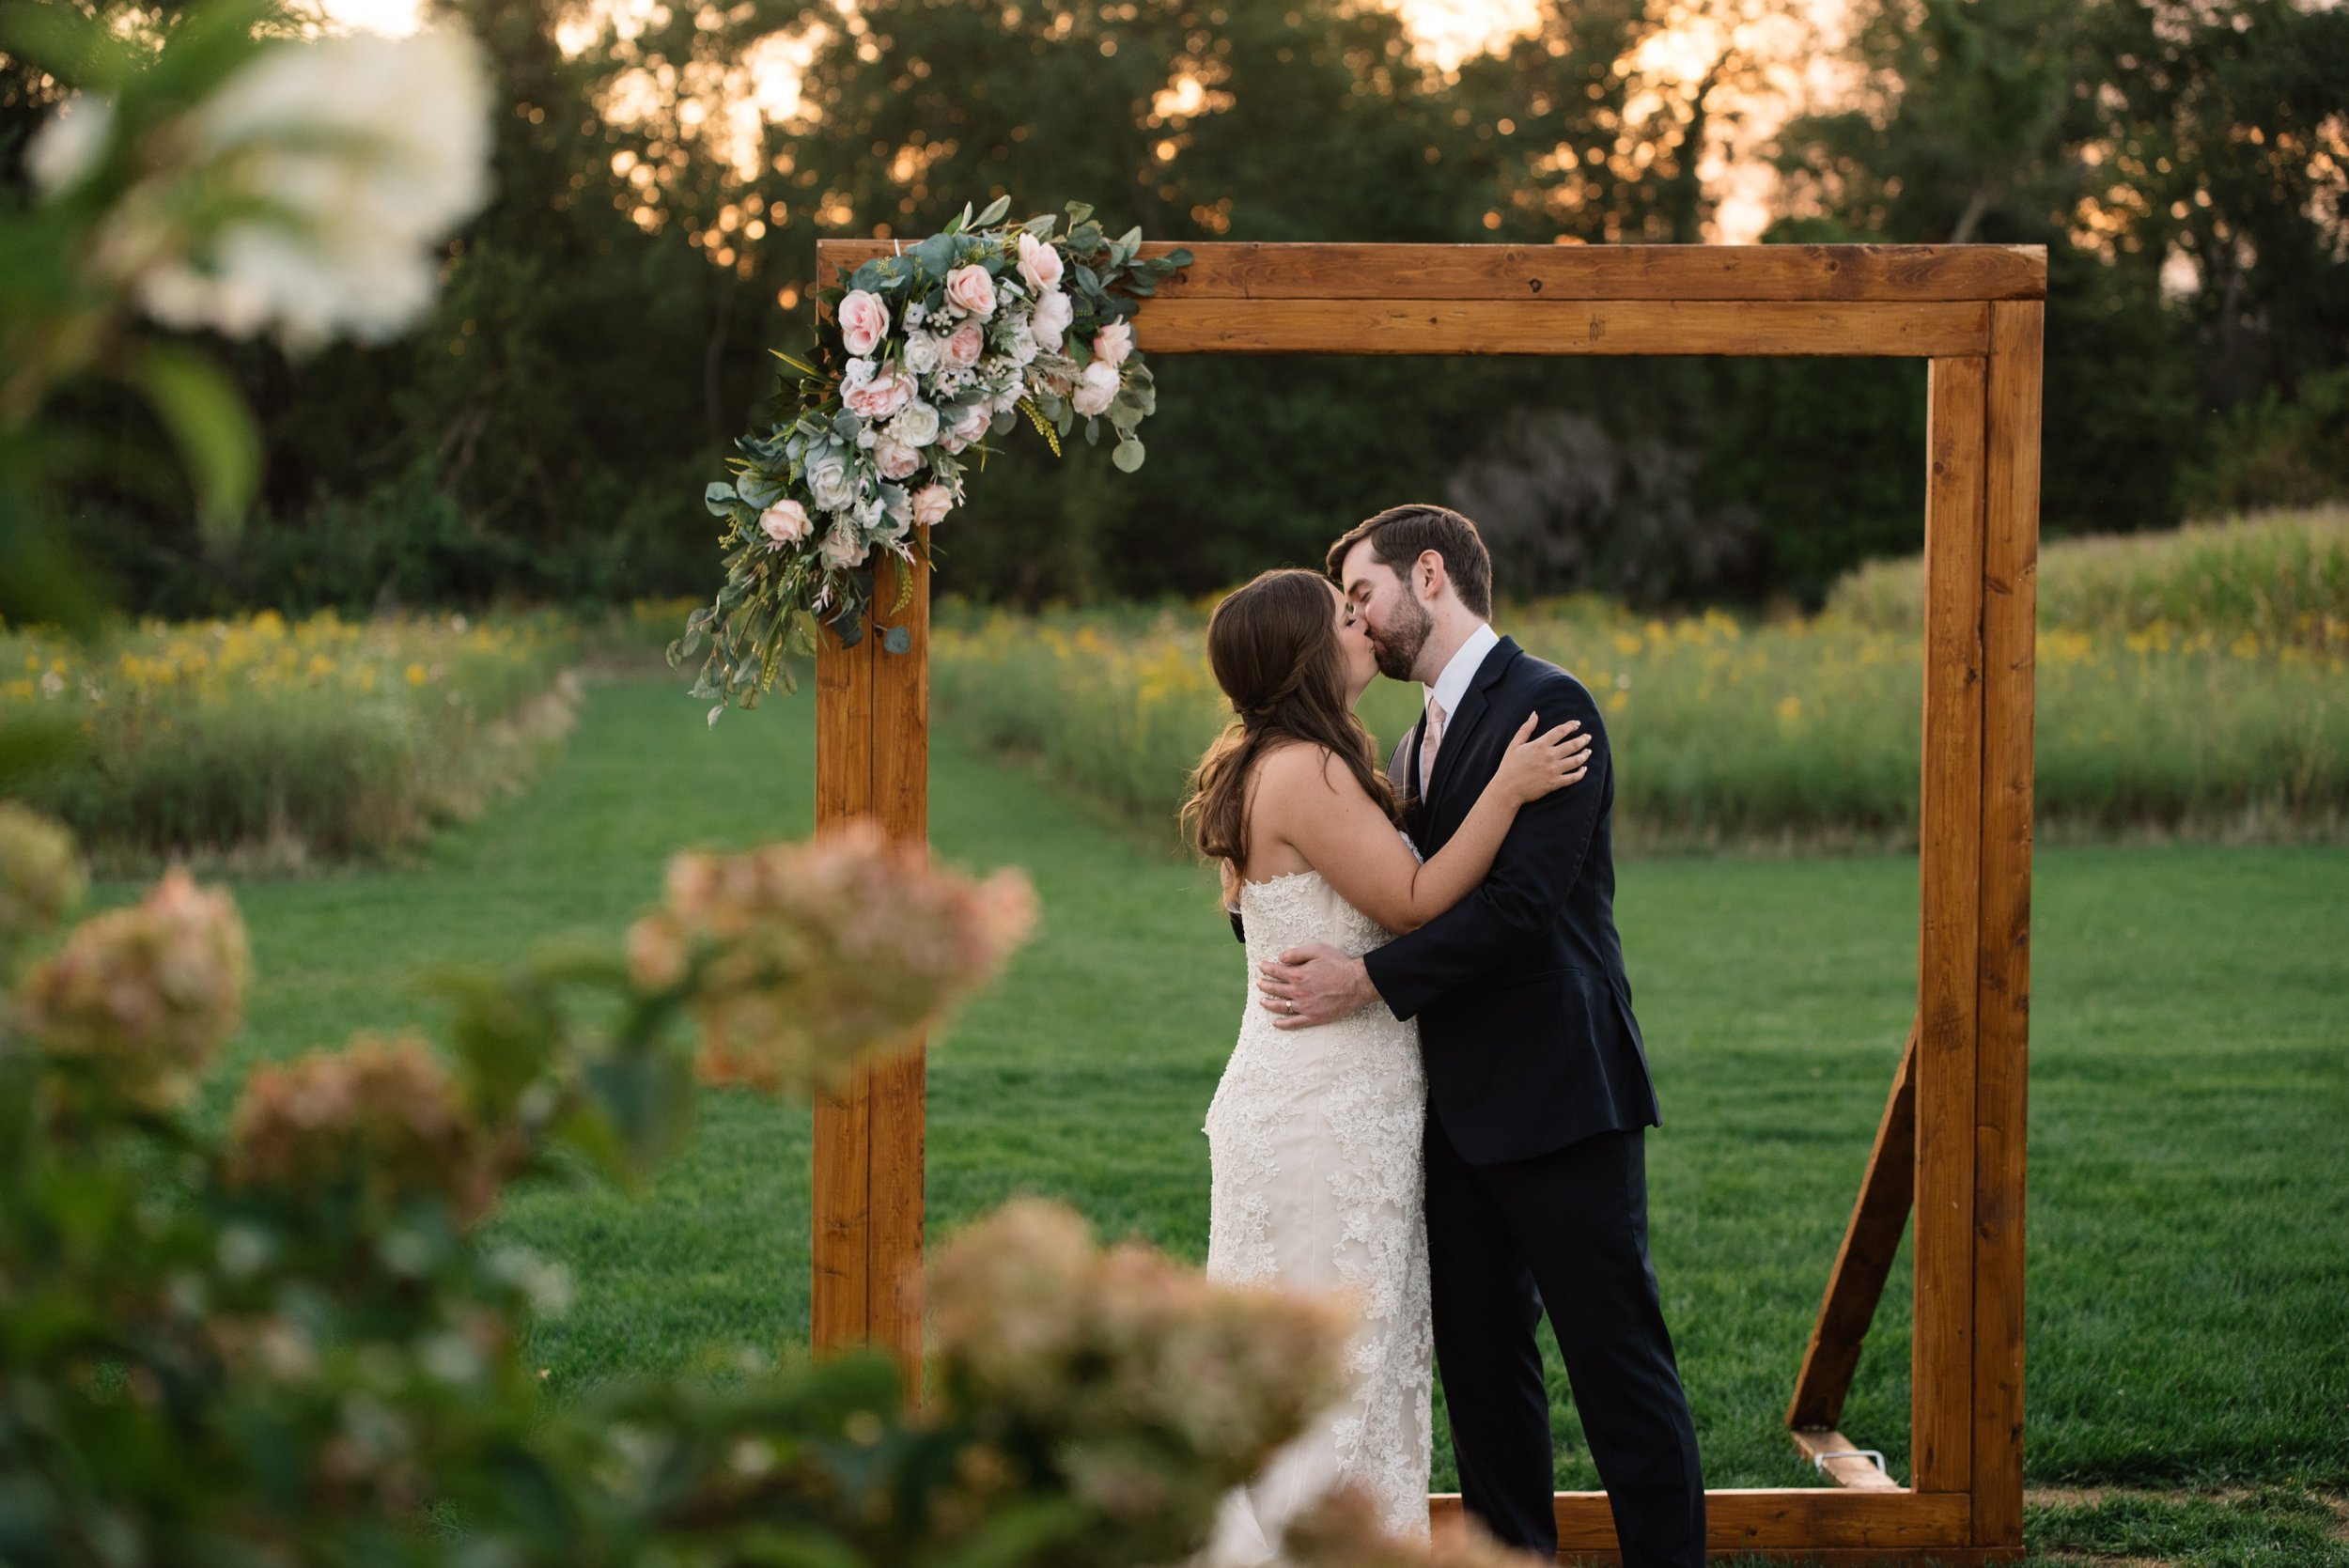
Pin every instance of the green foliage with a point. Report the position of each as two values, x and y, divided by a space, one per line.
2278 451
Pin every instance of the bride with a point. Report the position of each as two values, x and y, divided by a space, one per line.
1314 1134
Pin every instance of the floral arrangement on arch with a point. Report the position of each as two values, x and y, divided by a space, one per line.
923 356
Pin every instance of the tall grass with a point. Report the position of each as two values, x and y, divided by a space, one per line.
267 744
2282 577
1799 731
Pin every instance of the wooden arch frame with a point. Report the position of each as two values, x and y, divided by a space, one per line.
1951 1136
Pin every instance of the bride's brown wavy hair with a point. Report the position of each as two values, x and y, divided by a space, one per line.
1273 647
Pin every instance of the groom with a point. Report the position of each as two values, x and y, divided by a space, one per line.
1537 1083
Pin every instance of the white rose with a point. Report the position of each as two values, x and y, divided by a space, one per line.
844 547
1039 262
1052 315
916 424
786 523
832 480
1096 389
921 353
1021 345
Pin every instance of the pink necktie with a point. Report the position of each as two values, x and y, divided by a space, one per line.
1428 744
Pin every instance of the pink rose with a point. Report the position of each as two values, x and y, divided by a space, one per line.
1096 389
1052 315
971 290
879 397
964 347
973 422
786 523
1113 342
931 503
1039 262
896 458
864 319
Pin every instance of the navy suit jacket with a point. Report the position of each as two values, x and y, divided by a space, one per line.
1524 1010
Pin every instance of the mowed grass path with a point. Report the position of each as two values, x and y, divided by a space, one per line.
2189 1136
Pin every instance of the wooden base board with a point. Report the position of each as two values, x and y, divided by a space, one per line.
1899 1525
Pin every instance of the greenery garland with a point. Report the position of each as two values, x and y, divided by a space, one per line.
921 357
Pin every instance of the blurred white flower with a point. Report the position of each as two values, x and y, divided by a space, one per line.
67 146
338 166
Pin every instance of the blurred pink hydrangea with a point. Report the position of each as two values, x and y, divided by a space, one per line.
383 1112
812 955
1160 1388
146 994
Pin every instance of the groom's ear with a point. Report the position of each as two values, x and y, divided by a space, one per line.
1429 576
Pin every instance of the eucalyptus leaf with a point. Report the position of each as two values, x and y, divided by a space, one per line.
1093 432
1128 455
896 640
995 211
1130 238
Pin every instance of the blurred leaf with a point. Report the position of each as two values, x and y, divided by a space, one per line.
207 419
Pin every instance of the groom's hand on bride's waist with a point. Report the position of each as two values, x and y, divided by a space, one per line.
1312 985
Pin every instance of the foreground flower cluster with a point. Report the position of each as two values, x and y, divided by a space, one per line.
279 1335
924 354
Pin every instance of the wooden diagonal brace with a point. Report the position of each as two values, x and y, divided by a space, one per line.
1864 1260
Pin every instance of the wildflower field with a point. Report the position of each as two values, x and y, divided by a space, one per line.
2175 696
269 743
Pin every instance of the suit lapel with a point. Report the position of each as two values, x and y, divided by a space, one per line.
1458 729
1404 774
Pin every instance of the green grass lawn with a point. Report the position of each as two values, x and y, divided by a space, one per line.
2189 1135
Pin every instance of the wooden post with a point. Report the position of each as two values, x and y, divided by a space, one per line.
1949 933
2009 633
872 759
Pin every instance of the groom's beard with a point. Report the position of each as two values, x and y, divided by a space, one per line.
1397 648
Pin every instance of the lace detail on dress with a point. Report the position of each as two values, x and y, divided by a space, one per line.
1315 1136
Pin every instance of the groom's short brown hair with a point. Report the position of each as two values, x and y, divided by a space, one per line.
1400 535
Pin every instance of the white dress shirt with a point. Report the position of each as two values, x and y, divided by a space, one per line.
1452 684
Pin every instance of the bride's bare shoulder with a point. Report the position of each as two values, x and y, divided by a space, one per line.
1303 770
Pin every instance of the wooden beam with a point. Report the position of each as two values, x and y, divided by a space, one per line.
1949 932
1856 1284
1902 275
1763 1518
840 1294
901 796
2010 615
1560 326
1839 1459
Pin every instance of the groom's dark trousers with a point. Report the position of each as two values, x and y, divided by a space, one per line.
1539 1090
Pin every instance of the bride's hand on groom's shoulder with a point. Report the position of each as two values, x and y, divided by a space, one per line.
1312 985
1539 765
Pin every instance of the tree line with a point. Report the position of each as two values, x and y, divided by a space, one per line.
603 328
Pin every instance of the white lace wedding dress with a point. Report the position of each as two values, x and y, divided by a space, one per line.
1314 1139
